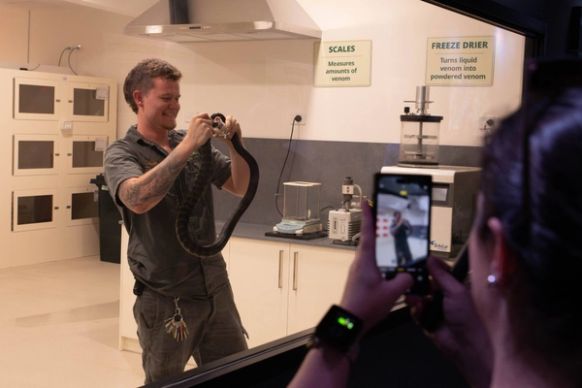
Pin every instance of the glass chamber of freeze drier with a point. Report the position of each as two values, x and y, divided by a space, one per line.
419 134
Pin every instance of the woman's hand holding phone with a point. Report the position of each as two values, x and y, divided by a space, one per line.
367 293
402 219
461 334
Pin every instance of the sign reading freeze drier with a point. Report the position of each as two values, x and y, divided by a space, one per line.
466 61
343 63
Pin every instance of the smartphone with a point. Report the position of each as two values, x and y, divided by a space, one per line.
402 218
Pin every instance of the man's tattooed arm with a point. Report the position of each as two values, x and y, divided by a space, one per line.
142 193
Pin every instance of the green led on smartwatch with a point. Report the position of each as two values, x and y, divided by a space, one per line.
338 329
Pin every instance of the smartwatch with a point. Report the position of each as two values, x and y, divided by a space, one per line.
338 329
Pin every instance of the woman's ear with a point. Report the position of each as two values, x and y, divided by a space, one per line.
503 262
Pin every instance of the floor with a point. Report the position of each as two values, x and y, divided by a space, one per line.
59 327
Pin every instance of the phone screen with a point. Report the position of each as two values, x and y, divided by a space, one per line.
402 210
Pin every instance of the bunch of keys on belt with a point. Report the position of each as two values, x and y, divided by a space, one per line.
219 125
175 325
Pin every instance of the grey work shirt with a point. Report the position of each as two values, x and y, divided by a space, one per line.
154 253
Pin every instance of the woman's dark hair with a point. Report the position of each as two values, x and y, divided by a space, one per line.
142 75
532 182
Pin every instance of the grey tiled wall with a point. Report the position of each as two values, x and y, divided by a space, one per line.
327 162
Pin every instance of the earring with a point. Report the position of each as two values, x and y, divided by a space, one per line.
491 280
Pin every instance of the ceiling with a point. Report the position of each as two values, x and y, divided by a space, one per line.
126 7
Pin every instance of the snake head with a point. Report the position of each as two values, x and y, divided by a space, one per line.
218 118
219 122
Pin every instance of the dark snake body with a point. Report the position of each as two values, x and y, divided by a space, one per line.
201 180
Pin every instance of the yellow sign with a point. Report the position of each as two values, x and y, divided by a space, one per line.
343 63
466 61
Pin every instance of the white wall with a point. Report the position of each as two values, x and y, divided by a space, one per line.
266 83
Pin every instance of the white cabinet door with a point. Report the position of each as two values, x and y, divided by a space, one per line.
317 279
258 272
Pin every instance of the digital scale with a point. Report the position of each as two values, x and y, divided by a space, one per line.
300 212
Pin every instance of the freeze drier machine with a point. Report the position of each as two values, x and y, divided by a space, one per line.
454 195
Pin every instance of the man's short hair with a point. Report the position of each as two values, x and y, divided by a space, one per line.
141 77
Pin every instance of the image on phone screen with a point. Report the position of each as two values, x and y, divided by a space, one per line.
402 207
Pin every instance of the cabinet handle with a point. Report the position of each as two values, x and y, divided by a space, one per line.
295 269
281 268
56 208
69 154
57 154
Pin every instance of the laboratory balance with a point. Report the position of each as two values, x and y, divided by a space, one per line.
300 211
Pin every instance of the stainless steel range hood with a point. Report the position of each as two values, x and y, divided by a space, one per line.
224 20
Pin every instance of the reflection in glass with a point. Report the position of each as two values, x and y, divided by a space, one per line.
35 154
86 103
36 99
35 209
84 155
83 206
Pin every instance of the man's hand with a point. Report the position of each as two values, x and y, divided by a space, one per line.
228 129
199 131
238 182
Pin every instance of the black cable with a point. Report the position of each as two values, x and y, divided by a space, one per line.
62 52
69 59
296 119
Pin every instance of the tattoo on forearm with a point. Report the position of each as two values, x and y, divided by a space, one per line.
151 187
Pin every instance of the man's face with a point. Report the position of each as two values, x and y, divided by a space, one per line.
160 105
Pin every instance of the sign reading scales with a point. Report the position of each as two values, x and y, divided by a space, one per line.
343 63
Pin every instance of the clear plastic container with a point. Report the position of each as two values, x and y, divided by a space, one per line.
419 139
301 201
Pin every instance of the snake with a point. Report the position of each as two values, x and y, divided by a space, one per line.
201 181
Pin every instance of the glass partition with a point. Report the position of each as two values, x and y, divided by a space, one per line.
35 154
83 205
35 99
85 155
33 209
85 103
89 102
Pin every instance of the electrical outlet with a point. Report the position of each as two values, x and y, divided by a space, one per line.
66 125
487 123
